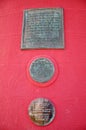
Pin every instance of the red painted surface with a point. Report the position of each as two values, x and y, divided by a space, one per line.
68 92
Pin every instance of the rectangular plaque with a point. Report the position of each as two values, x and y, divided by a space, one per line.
43 28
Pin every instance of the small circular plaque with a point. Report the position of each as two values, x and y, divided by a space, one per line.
42 70
41 111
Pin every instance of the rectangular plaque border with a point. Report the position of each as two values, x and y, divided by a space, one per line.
40 48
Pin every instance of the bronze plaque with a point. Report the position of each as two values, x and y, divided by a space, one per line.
41 111
43 28
42 70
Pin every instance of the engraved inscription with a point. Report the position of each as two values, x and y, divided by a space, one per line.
41 111
42 70
43 28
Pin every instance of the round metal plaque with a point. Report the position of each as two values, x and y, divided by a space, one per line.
41 111
42 70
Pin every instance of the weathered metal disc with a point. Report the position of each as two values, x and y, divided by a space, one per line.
41 111
42 70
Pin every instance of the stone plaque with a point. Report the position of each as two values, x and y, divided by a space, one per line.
42 70
41 111
43 28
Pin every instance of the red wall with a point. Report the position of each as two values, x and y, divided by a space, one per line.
68 92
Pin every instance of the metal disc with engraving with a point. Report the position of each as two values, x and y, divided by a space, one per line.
41 111
42 70
43 28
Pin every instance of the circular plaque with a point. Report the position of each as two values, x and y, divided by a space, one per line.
42 70
41 111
